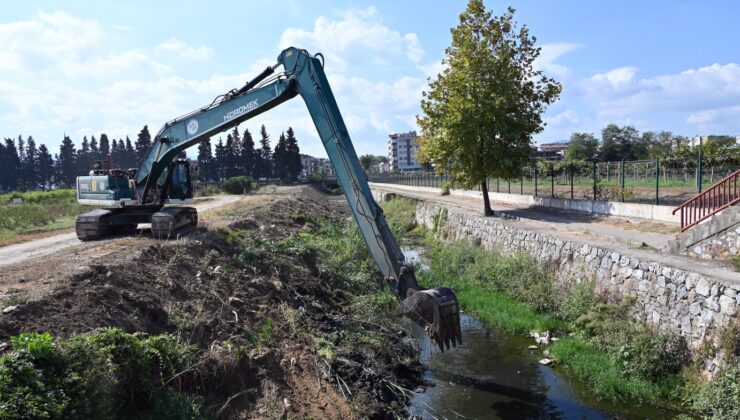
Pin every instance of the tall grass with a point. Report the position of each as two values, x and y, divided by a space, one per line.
37 210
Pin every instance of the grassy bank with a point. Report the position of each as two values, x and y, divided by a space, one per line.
38 211
617 358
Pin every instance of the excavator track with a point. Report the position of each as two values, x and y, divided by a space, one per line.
170 221
100 223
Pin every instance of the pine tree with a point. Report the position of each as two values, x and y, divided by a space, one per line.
30 165
130 155
264 170
220 160
279 158
230 160
293 165
21 148
67 167
104 147
94 151
46 167
205 161
84 157
12 165
143 143
246 154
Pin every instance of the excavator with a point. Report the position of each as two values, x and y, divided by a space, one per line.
156 191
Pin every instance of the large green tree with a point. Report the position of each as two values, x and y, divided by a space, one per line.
480 113
583 146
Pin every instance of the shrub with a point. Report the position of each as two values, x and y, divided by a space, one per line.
237 185
720 399
104 374
577 301
445 187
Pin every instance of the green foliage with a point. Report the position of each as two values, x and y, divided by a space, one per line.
104 374
264 335
445 187
602 375
736 262
720 398
237 185
400 213
583 146
209 191
37 209
480 113
577 301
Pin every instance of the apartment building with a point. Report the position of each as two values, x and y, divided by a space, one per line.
402 150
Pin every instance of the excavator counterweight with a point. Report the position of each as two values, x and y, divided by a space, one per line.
141 195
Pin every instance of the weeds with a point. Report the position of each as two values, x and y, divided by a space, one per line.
103 374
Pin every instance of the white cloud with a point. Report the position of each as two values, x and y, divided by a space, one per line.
184 50
550 53
700 95
87 86
356 33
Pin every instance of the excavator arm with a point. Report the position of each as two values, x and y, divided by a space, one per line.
436 310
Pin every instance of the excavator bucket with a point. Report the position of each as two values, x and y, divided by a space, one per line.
438 311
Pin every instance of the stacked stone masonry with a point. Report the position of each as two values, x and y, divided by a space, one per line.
697 307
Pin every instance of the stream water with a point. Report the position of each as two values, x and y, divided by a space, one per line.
494 376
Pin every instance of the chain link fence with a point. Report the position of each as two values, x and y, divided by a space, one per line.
647 181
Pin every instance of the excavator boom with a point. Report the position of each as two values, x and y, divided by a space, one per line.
436 310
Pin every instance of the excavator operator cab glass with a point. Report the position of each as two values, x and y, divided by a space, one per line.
180 185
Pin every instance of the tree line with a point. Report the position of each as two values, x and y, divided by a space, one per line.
240 156
627 143
24 165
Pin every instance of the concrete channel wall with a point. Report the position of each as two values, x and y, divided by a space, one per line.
609 208
699 307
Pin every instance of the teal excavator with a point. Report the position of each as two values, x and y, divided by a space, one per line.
155 191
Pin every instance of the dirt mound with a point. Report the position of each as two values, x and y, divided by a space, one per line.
259 316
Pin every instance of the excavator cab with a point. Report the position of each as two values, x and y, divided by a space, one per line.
179 180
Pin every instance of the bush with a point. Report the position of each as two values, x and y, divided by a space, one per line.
237 185
577 301
445 187
720 399
105 374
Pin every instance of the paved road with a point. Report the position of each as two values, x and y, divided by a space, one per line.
12 254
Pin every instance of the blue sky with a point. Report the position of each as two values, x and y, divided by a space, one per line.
86 67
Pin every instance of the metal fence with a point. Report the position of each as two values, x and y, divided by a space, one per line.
645 181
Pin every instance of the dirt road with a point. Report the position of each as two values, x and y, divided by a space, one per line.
14 254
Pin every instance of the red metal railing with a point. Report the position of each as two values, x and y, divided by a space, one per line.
718 197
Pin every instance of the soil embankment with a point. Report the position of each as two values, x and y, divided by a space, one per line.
276 328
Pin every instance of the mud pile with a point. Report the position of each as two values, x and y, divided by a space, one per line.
276 339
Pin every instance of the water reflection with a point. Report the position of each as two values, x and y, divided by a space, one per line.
488 378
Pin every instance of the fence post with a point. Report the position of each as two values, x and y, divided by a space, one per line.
497 188
571 181
552 180
621 182
509 185
657 181
698 173
593 170
535 179
521 183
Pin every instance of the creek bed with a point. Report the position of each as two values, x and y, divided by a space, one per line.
494 375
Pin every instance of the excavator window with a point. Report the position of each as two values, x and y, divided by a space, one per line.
180 183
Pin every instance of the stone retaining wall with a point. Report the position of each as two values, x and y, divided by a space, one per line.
698 307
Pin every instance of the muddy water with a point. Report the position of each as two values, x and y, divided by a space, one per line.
494 376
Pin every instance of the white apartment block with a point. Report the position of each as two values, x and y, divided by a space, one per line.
402 150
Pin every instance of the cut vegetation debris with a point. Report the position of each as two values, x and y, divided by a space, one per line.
280 314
